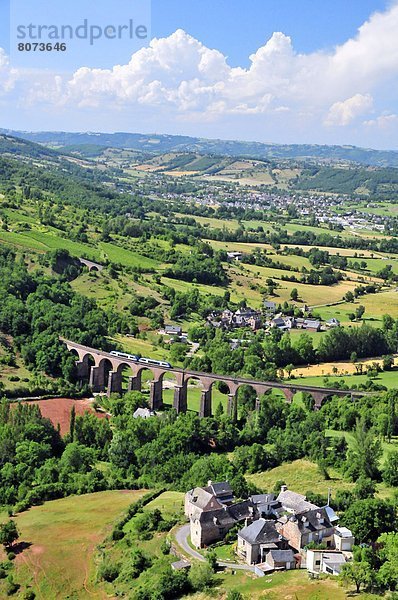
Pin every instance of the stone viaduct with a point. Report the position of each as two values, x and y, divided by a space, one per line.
104 373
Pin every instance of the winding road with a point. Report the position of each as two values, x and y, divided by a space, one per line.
181 537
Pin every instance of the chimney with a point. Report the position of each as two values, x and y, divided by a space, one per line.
209 483
283 488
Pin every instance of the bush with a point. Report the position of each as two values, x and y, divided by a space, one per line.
117 534
108 571
11 587
30 595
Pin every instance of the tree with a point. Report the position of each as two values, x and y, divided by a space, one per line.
358 573
388 362
363 459
359 312
364 488
8 534
369 518
72 423
211 558
390 471
294 295
201 576
349 297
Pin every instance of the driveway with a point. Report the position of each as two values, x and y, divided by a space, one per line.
182 535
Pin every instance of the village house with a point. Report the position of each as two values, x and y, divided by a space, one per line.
173 330
143 413
235 256
326 561
256 540
270 307
281 560
292 502
212 512
243 317
307 324
266 504
316 525
281 322
302 522
333 322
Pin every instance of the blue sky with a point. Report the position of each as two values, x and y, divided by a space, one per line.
219 68
238 28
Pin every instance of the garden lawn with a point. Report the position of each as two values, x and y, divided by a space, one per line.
286 585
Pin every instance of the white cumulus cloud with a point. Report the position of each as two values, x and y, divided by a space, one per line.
343 113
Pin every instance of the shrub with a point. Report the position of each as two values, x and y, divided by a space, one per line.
108 571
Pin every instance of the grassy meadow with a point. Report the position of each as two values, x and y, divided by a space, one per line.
62 537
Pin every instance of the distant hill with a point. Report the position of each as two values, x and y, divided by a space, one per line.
159 144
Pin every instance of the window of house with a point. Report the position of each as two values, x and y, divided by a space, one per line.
317 562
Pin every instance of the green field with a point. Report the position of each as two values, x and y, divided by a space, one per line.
127 258
289 585
387 378
169 503
63 535
302 476
386 446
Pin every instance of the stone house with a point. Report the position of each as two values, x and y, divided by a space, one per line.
212 512
281 560
210 526
292 502
314 525
257 539
266 504
213 496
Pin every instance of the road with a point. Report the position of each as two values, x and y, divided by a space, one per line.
182 540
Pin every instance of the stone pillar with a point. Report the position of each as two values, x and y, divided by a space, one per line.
97 383
289 394
156 396
180 398
318 399
257 406
134 384
205 404
83 369
233 406
114 383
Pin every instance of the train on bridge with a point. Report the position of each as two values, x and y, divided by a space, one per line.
142 359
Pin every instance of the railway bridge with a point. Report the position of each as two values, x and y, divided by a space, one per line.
103 371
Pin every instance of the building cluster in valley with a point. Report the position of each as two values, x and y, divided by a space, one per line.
276 531
267 319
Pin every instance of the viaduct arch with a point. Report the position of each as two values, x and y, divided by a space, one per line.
103 371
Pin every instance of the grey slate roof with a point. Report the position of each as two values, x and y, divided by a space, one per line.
260 532
295 502
282 556
263 498
313 520
228 515
220 489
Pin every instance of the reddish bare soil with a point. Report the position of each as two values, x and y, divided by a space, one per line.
58 410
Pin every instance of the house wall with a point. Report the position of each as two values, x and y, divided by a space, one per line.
210 533
290 531
250 553
344 544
